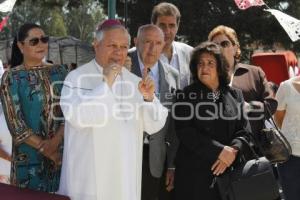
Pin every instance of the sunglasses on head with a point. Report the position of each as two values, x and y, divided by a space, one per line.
225 43
212 48
34 41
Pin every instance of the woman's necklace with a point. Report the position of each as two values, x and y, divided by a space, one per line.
216 95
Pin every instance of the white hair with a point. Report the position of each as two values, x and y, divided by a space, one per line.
147 27
99 34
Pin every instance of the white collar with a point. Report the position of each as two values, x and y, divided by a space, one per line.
98 67
174 51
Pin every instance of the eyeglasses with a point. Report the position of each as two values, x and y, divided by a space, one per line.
34 41
225 43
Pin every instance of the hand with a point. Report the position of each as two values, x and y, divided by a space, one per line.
111 72
47 151
146 86
8 158
4 155
219 167
4 179
228 155
56 157
170 179
50 146
50 149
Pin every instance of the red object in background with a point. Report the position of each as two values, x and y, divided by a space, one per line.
3 22
8 192
276 65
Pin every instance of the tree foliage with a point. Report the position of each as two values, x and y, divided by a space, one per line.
82 19
199 17
78 18
56 25
57 17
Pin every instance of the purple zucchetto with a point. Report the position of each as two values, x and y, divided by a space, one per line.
108 23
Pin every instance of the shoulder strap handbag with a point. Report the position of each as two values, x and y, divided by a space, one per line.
252 180
273 143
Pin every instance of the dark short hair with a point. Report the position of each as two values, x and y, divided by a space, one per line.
165 9
16 55
215 50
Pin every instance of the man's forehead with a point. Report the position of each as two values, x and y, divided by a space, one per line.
115 40
115 34
153 33
170 19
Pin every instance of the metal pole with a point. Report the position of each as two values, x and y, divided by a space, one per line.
111 9
126 12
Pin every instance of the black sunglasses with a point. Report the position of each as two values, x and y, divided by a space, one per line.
225 43
34 41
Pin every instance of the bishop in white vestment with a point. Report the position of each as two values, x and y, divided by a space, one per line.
104 125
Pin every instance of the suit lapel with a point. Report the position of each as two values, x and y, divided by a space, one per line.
135 64
163 84
181 59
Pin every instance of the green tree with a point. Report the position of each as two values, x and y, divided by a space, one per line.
24 12
82 19
58 17
56 25
199 17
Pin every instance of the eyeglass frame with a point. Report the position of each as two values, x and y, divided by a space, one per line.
35 40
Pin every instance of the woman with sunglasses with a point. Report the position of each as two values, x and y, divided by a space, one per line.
209 119
248 78
30 93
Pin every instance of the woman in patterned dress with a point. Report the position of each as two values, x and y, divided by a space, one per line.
30 93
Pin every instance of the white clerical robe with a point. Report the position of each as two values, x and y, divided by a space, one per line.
6 145
104 134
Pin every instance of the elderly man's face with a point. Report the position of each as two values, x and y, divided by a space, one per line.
149 45
112 48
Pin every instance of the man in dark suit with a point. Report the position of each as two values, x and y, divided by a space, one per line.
149 44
